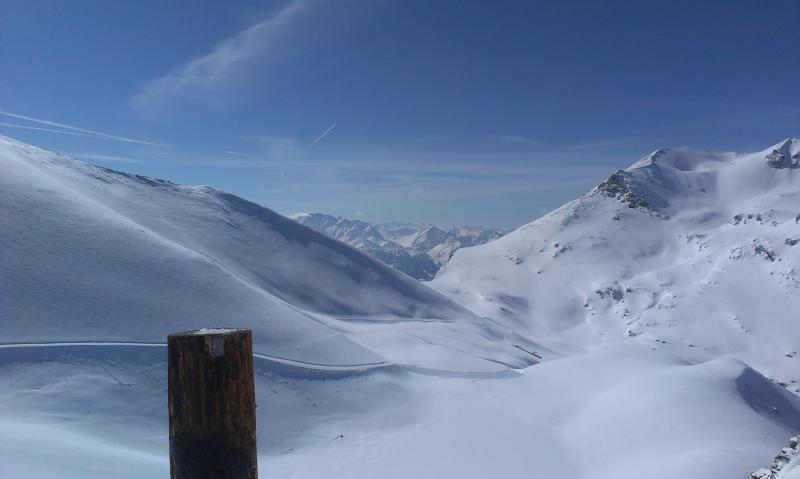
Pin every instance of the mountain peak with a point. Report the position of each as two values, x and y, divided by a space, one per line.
784 154
648 159
788 143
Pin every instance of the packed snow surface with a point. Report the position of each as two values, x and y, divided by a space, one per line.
658 302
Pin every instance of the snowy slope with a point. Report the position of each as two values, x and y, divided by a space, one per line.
416 250
623 414
686 248
362 372
91 254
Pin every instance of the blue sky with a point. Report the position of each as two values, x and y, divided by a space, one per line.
446 112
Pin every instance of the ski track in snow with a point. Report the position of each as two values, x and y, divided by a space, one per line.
275 359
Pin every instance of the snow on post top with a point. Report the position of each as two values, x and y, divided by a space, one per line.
205 331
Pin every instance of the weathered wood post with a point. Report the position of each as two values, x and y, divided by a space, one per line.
212 409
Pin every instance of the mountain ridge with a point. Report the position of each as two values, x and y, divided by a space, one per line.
418 250
684 246
92 254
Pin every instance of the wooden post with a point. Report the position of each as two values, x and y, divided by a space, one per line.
212 409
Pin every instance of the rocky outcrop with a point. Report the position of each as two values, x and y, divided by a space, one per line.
780 160
620 185
784 155
786 460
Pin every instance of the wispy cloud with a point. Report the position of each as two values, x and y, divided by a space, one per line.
325 133
104 158
73 129
517 140
214 66
40 128
433 175
278 149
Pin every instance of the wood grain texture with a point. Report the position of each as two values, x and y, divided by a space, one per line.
212 422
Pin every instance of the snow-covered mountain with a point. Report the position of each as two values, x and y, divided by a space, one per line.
91 254
695 249
363 372
416 250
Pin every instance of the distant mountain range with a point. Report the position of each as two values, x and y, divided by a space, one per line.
418 250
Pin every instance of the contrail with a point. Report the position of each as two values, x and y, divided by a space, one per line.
325 133
51 130
79 130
